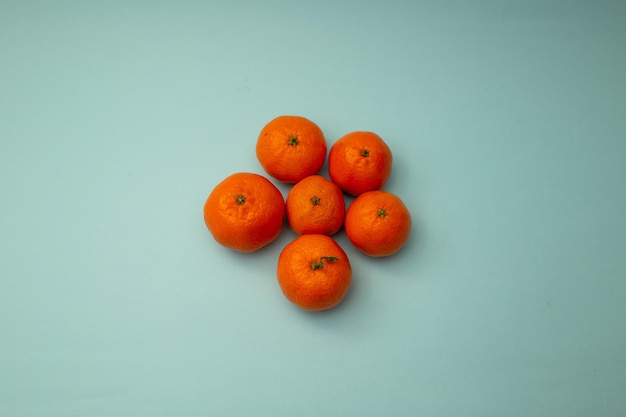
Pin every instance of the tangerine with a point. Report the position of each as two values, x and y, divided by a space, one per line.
314 272
378 223
290 148
244 212
359 162
315 205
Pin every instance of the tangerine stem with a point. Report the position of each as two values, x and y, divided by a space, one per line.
320 264
381 212
293 140
365 152
315 201
240 199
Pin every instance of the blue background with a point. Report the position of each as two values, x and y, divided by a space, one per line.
507 120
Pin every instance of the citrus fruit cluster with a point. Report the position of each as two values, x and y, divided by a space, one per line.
246 211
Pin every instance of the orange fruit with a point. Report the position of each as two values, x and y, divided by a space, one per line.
291 148
314 272
359 162
378 223
244 212
315 205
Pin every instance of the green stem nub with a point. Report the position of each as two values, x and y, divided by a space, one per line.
382 212
320 264
315 201
365 152
293 140
240 199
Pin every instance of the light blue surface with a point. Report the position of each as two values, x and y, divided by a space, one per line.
508 125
